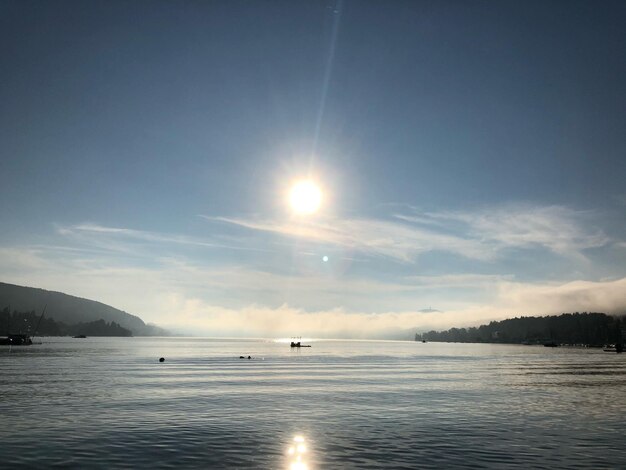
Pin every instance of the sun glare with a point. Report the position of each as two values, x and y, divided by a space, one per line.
305 197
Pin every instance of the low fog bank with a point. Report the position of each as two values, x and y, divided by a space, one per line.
195 317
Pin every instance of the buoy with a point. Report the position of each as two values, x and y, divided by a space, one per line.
162 359
249 357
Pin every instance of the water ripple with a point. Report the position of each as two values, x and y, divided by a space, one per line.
108 403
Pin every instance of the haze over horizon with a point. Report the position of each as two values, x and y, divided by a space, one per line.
470 159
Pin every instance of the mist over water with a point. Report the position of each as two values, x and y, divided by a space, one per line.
109 403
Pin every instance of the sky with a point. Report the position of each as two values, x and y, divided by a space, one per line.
471 157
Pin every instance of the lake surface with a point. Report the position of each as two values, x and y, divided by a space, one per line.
109 403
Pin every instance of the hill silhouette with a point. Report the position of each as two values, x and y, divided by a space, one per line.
595 329
71 310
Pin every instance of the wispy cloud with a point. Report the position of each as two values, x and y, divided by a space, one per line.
246 302
88 273
483 234
259 276
116 238
559 229
466 280
373 237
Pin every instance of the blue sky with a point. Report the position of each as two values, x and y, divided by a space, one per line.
471 155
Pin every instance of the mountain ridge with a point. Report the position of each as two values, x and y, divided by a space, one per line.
71 309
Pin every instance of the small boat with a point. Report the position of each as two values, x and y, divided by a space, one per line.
16 340
21 339
79 336
551 344
298 344
618 348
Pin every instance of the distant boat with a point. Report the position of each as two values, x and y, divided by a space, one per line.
618 348
551 344
21 339
79 336
298 344
16 340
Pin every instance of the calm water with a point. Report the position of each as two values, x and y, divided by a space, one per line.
109 403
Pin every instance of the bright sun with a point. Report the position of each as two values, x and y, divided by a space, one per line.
305 197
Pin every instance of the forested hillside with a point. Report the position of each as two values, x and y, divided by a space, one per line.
569 328
33 323
69 309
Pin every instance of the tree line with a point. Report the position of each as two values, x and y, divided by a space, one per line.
32 323
591 329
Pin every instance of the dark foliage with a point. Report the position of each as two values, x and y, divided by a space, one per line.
29 323
593 329
66 308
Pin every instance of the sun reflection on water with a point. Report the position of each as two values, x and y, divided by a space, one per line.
296 451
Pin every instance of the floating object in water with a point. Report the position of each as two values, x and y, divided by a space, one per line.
161 359
22 339
618 348
298 344
16 340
